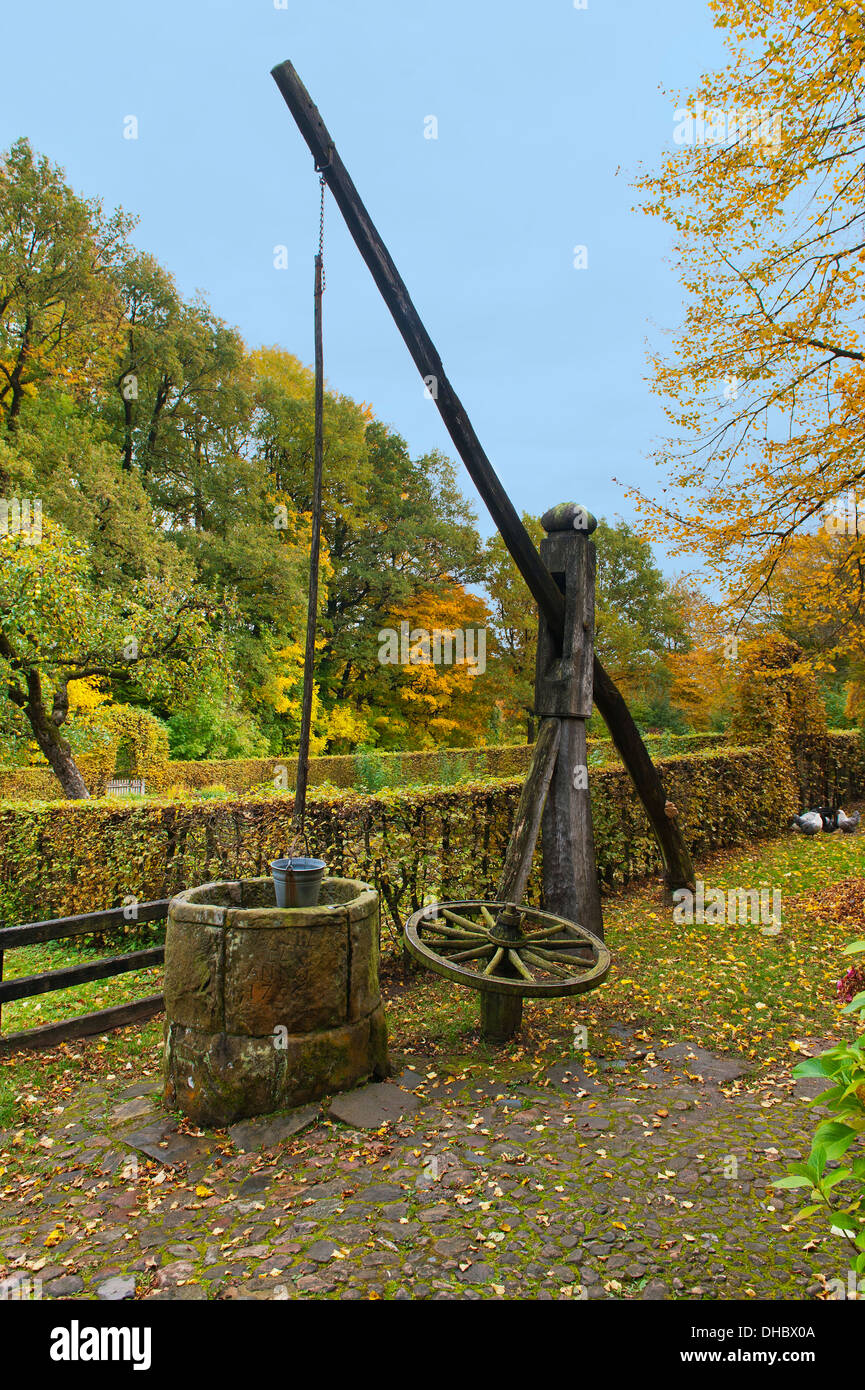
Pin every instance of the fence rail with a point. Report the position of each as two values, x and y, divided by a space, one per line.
85 1025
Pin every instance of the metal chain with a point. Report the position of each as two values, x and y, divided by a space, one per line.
321 230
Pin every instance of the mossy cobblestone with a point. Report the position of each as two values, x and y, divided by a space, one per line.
645 1181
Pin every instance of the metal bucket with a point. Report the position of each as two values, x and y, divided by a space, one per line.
297 881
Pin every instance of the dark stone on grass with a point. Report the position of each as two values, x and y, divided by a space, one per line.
141 1088
65 1287
164 1143
134 1109
187 1293
256 1182
321 1251
570 1076
381 1192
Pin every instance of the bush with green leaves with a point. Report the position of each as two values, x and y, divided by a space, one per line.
371 771
835 1169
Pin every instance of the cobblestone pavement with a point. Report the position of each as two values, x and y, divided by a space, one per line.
648 1179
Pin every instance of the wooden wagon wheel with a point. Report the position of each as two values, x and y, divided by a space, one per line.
503 949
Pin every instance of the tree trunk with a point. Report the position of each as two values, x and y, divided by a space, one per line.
46 730
56 750
15 380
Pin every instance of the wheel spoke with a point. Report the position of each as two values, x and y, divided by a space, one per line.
518 965
472 955
546 931
552 942
477 934
551 967
462 921
458 943
559 958
491 968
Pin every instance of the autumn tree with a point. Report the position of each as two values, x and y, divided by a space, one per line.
59 305
702 664
437 671
763 194
59 625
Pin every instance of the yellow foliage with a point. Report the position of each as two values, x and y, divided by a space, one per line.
765 386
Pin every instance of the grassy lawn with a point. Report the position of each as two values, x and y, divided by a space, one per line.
729 988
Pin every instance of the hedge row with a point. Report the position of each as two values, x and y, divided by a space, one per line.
62 858
243 774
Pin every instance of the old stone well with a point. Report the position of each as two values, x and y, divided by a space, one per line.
267 1007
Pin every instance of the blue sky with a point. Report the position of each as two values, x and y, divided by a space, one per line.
545 113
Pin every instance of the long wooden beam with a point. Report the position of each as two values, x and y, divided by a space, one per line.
397 298
545 591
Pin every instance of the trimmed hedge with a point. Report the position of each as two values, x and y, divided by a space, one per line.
57 859
338 770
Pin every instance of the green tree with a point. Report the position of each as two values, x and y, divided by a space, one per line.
59 624
59 307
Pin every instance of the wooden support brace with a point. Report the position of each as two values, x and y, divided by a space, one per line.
524 836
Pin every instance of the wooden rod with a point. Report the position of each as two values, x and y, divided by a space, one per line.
50 1034
55 929
299 817
25 986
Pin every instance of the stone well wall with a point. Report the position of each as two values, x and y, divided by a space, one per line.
266 1007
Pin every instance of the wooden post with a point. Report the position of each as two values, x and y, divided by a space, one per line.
563 690
521 846
501 1016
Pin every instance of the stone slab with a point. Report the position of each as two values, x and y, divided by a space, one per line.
266 1131
133 1109
164 1143
119 1287
370 1107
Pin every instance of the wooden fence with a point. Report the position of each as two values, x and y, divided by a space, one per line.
86 1024
125 786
